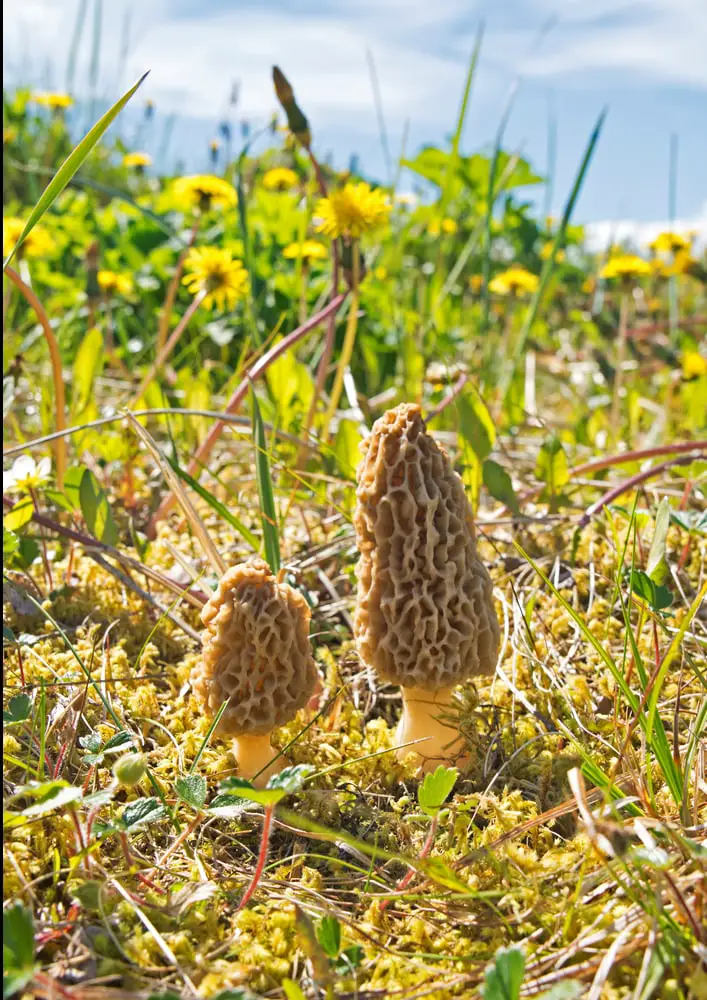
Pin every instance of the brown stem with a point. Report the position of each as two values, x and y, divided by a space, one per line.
57 374
239 395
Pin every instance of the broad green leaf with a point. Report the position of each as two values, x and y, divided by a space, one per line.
656 595
92 742
50 795
291 779
96 511
141 812
268 513
10 542
18 516
17 949
551 467
192 790
504 977
329 935
87 366
657 566
436 788
290 383
70 165
499 484
346 448
27 551
476 424
690 520
18 710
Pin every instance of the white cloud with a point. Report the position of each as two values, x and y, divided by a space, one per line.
600 235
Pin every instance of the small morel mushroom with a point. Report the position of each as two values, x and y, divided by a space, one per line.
424 614
256 651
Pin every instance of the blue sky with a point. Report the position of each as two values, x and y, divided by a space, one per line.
643 58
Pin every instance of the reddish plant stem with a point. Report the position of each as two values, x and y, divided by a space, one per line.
262 855
621 459
449 398
254 372
165 351
629 484
410 874
59 760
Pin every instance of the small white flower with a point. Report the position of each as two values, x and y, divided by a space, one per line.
26 474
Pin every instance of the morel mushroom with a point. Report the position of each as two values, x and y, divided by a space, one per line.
424 615
256 651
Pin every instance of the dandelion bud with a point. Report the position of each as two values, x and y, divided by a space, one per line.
130 769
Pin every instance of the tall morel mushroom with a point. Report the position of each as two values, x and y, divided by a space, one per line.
424 614
256 651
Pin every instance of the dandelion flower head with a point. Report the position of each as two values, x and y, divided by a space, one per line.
217 273
352 211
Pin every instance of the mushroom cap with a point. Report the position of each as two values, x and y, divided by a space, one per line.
256 651
424 613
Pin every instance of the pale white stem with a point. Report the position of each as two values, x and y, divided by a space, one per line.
422 719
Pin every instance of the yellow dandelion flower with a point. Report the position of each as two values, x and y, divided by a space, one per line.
352 210
120 284
625 266
514 281
380 273
476 282
308 250
37 243
449 226
682 263
9 134
137 160
216 272
668 242
204 191
280 179
56 102
693 365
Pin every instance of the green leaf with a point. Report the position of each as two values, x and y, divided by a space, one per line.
92 742
95 509
118 742
657 567
87 366
350 958
690 520
476 424
17 949
70 165
18 516
268 513
50 795
291 779
18 710
329 935
551 467
436 788
657 596
10 542
569 989
346 448
141 812
227 806
72 485
292 991
499 484
27 552
503 979
192 790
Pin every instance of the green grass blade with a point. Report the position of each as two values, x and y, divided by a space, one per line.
75 43
70 165
268 513
216 505
207 738
549 267
461 119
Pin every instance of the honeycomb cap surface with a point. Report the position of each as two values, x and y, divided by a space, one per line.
424 613
256 650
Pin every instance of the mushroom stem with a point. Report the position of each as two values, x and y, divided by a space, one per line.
420 719
254 753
